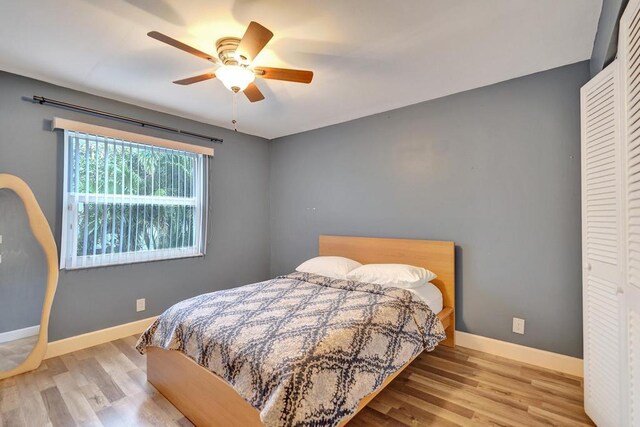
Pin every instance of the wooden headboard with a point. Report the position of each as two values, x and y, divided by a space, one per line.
434 255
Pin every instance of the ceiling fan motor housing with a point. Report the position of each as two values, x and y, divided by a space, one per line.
226 48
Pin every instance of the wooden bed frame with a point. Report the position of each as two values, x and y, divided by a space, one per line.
208 400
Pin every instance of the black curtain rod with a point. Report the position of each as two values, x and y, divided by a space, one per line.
42 100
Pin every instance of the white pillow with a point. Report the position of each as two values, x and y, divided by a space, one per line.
396 275
330 266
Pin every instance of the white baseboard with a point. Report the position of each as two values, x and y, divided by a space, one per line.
79 342
16 334
533 356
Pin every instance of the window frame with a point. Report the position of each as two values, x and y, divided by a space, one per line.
69 207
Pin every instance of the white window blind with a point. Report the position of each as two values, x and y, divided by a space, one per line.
126 202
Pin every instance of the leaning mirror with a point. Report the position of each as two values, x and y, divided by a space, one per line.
28 278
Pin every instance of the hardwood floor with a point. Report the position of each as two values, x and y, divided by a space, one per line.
13 353
465 387
106 385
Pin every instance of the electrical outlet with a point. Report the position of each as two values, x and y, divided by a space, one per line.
0 239
140 304
518 325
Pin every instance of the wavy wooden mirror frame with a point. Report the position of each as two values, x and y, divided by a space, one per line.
42 233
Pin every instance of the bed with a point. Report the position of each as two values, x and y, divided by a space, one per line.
209 400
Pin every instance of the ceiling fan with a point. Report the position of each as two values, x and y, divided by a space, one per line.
234 62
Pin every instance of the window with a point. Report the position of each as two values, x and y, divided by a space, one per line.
127 202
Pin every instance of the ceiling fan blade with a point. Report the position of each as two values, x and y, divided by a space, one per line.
254 40
196 79
253 93
185 47
298 76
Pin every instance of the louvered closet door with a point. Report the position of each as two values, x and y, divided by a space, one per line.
629 52
602 250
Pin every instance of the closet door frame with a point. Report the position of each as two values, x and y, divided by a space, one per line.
630 291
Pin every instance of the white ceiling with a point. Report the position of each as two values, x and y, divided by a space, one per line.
368 56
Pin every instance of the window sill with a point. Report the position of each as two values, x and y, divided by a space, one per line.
83 266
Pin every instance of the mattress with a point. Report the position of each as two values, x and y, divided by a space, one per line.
302 349
430 295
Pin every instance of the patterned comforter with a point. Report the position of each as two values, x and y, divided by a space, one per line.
302 349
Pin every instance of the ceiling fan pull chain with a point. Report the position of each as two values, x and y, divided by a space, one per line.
235 112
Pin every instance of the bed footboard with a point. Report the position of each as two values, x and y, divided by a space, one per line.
202 396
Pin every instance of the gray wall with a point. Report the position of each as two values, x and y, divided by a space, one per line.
86 300
23 267
496 169
606 42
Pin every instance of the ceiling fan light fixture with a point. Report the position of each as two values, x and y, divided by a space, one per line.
235 56
236 78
